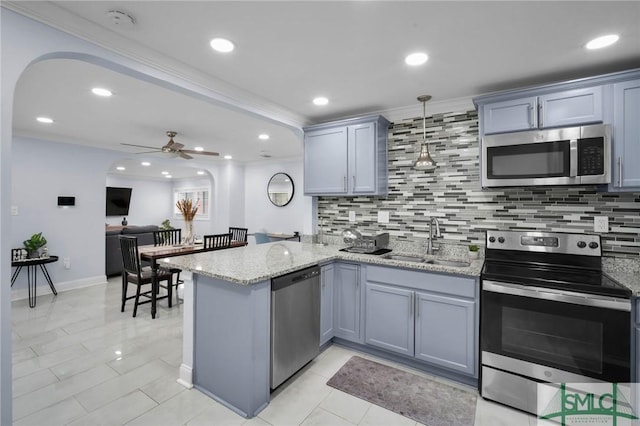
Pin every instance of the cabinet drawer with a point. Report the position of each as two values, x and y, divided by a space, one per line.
434 282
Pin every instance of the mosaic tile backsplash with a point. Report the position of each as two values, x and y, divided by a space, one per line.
452 194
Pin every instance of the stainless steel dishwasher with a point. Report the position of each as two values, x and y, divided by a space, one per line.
295 322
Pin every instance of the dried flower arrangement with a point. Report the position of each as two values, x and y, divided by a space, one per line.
188 208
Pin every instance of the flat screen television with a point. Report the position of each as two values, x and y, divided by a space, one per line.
118 201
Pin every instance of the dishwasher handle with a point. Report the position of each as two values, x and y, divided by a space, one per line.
283 281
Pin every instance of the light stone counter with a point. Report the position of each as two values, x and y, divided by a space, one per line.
625 271
256 263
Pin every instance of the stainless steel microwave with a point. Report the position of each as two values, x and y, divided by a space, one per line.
566 156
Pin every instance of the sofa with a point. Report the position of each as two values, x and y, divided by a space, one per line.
113 257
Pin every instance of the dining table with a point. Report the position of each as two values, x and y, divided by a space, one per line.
152 253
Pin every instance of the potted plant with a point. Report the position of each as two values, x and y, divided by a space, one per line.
33 245
166 225
473 251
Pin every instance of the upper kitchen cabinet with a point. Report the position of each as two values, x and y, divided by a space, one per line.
626 135
347 157
565 108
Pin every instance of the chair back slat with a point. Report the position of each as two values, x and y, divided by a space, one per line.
238 234
130 257
217 241
167 237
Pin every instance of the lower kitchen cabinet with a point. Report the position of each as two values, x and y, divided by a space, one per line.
327 279
347 302
445 331
430 317
389 318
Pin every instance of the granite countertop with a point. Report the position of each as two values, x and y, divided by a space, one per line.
255 263
624 271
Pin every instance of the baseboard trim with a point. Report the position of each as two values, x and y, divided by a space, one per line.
23 293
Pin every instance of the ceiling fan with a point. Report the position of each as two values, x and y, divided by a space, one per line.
173 147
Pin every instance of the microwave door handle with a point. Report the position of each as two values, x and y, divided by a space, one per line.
573 158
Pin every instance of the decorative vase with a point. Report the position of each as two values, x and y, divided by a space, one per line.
33 254
188 232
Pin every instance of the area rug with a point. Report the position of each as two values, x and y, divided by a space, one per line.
425 401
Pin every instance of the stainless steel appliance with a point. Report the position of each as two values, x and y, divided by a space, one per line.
567 156
295 322
549 314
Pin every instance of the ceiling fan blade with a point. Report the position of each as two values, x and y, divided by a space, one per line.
191 151
150 152
185 156
141 146
177 146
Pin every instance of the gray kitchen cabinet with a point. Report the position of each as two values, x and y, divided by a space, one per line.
445 331
347 157
347 301
327 279
626 135
564 108
431 317
389 318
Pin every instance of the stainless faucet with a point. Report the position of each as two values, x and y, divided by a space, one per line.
430 247
321 233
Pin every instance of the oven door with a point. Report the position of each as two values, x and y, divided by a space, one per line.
582 334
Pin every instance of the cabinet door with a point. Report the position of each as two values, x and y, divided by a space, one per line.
326 303
445 331
626 134
510 116
571 107
347 302
389 318
325 161
362 158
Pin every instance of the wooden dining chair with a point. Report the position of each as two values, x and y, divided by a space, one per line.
217 241
238 234
170 237
133 273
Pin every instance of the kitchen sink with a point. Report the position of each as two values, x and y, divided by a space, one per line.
459 263
419 259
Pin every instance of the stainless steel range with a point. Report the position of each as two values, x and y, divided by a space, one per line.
549 314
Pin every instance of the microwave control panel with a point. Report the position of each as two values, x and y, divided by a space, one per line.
591 156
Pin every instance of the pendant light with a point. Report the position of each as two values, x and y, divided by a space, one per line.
424 161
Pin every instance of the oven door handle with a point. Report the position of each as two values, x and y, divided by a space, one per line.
557 295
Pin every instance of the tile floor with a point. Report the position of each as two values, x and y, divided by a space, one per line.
78 361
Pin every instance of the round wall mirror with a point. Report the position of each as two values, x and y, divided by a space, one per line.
280 189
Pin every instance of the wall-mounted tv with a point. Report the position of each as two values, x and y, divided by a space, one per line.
118 201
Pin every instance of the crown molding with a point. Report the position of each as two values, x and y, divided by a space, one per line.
225 93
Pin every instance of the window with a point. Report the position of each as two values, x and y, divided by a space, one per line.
199 196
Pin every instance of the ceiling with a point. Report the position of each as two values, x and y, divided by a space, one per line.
289 52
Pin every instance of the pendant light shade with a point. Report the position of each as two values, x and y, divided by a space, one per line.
424 161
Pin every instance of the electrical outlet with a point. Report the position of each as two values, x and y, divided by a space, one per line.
600 224
352 216
14 210
383 217
66 262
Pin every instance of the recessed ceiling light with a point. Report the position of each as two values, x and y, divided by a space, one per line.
415 59
45 120
263 136
99 91
320 101
168 176
165 173
145 163
120 168
222 45
228 157
600 42
200 172
198 148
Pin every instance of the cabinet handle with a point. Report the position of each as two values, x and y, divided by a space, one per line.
411 305
354 181
531 116
540 115
620 172
417 307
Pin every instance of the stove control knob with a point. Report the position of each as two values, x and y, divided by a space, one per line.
593 245
501 240
492 239
582 244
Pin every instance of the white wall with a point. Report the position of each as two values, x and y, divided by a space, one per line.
260 213
151 201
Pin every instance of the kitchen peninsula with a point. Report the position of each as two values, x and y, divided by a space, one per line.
226 340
